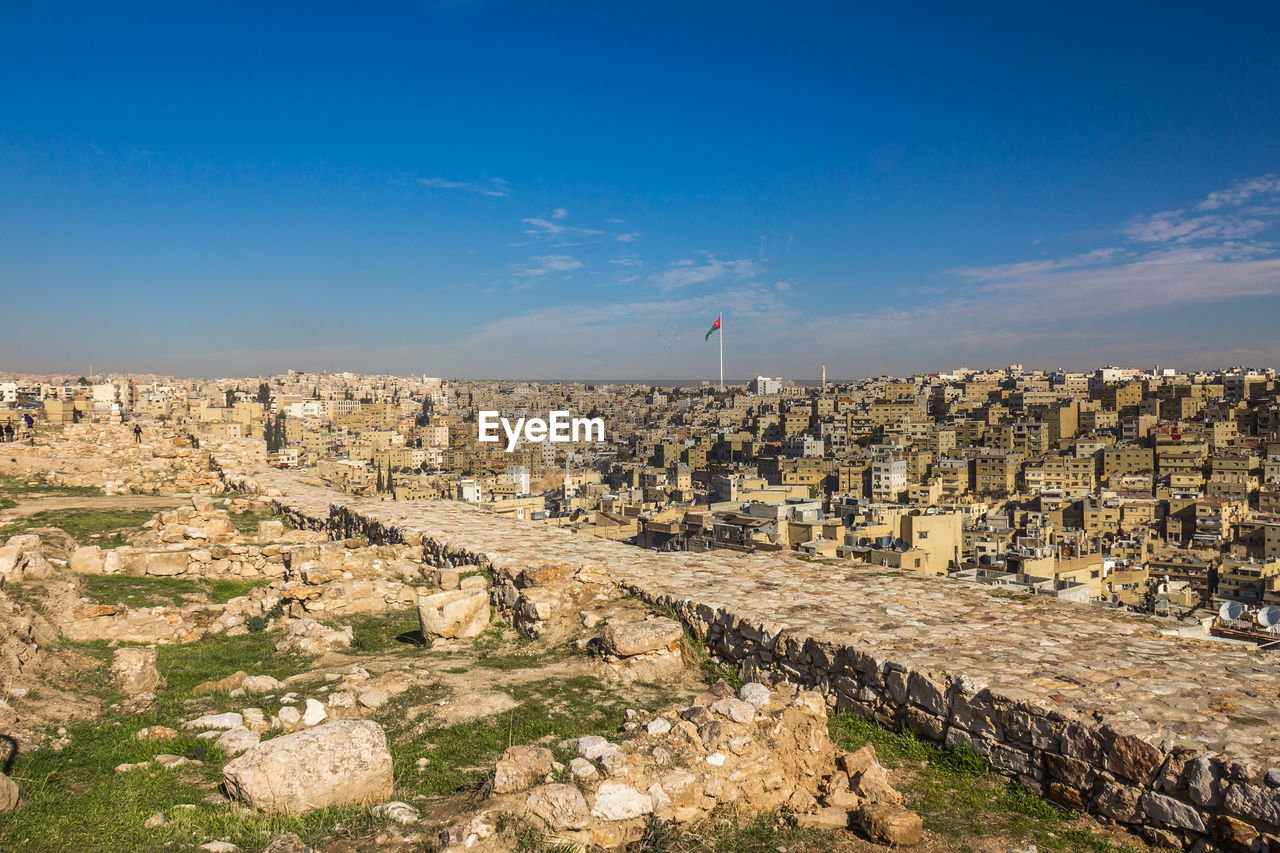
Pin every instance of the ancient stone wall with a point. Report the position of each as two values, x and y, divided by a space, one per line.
1102 711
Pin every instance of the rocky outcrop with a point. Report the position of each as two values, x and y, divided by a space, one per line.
343 762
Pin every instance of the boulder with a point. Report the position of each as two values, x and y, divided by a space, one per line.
25 542
133 671
559 806
227 721
34 566
309 637
616 801
288 842
332 764
236 741
261 684
635 638
314 713
828 817
10 555
520 768
891 824
222 685
453 613
9 794
755 693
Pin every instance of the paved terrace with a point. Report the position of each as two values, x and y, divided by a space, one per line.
1101 710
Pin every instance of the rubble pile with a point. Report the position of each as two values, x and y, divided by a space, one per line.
107 456
763 750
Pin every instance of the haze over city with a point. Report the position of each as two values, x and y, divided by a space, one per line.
483 189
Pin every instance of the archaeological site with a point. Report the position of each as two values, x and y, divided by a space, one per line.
201 652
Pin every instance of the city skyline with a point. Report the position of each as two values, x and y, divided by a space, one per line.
478 190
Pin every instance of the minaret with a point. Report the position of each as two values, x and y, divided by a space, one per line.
824 377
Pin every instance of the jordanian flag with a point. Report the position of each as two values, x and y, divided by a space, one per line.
714 327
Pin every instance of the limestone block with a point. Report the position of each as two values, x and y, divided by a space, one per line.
891 824
167 563
270 530
453 613
618 801
87 560
133 671
633 638
332 764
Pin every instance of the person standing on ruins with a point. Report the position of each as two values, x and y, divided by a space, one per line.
137 433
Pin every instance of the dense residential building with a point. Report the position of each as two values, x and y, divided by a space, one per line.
1136 486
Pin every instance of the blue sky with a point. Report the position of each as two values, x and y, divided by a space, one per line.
577 189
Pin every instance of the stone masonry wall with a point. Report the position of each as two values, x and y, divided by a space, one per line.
1099 710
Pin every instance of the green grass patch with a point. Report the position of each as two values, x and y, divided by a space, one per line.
394 630
185 665
766 833
460 757
75 800
106 527
247 522
156 591
956 796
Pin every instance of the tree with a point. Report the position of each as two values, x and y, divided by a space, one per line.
264 394
83 380
274 432
378 487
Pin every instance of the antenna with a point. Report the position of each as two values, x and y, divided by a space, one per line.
1230 611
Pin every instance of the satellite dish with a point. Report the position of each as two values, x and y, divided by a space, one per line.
1230 611
1115 599
1269 616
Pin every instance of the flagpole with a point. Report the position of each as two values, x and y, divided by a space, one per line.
722 353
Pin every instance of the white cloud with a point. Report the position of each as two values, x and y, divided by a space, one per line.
1241 192
495 187
559 213
544 264
1222 215
628 237
627 262
689 271
1005 271
557 233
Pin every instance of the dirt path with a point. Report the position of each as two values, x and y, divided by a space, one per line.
30 505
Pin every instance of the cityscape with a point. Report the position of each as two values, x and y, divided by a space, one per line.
1147 489
466 426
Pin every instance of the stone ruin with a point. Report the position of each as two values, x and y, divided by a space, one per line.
760 751
1096 710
